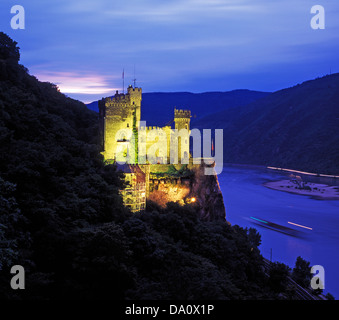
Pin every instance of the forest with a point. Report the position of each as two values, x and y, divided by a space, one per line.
62 218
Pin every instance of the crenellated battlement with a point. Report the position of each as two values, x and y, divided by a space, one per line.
130 89
179 113
132 95
117 98
150 128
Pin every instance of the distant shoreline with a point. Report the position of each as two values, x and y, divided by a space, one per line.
318 191
305 173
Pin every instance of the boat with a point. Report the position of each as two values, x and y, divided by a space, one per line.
275 226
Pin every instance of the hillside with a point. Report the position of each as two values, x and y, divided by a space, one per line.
62 219
296 128
158 108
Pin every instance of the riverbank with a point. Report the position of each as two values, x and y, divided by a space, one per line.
319 246
305 173
314 190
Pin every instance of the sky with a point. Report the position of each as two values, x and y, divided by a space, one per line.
83 46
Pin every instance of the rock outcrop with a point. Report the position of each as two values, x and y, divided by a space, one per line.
203 189
207 190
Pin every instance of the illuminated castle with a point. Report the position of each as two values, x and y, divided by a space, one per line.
115 114
120 118
119 123
156 161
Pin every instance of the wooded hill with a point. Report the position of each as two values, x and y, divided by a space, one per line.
295 128
62 219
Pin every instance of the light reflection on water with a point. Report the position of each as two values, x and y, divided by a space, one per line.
245 196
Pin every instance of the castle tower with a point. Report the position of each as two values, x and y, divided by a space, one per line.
117 113
182 120
135 99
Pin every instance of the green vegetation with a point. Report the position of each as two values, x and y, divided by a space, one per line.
172 172
62 219
135 134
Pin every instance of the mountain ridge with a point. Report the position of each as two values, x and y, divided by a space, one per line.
157 108
296 127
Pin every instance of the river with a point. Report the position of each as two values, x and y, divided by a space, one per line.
245 197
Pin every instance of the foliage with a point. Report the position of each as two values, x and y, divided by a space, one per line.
63 220
172 172
136 136
8 48
278 276
301 272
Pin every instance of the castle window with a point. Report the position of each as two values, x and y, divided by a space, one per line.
127 125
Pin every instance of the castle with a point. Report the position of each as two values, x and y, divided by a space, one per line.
120 121
156 161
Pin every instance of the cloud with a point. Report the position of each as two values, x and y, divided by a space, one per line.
74 83
171 42
178 11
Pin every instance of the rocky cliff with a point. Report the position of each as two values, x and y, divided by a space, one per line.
207 191
188 184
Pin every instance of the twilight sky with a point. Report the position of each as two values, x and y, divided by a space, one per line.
175 45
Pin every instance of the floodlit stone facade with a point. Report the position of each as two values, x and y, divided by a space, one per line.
159 166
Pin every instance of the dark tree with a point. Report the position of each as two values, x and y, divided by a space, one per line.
278 277
8 48
301 272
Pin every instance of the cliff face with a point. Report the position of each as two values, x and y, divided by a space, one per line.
203 189
208 193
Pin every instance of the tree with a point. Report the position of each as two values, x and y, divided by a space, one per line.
9 215
278 277
301 272
254 237
8 48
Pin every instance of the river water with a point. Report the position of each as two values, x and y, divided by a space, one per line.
245 197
